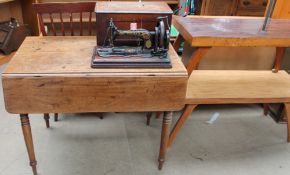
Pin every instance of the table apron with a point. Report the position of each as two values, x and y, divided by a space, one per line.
93 94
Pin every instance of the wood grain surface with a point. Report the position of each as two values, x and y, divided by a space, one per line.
282 9
61 94
222 87
72 55
65 11
53 74
232 31
132 7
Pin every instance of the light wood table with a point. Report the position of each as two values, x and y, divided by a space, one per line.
232 87
53 75
205 32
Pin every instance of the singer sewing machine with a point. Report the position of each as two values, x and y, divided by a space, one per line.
132 42
136 48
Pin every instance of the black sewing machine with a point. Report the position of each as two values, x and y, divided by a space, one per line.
135 47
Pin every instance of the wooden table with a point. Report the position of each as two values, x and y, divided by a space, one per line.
205 32
53 75
232 87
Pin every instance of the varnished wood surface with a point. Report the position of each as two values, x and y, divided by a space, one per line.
171 2
195 59
132 7
68 7
249 7
53 74
232 31
166 123
26 129
4 1
50 9
233 7
72 55
68 94
282 9
222 87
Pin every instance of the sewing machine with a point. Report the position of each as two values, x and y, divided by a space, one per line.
132 41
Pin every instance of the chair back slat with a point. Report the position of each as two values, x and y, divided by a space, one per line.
90 24
52 24
59 23
73 7
62 25
71 25
41 23
81 23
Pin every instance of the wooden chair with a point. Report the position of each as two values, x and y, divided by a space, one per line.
233 87
59 18
64 13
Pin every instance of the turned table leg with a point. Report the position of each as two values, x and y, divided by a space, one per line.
55 117
26 129
46 119
158 114
167 118
101 115
266 109
148 117
287 110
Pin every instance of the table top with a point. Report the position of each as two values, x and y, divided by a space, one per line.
232 31
54 75
72 55
132 7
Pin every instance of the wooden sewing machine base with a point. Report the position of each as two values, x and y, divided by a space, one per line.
129 61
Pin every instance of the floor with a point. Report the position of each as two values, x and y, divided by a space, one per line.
240 142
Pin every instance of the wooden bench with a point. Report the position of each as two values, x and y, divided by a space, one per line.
228 87
231 87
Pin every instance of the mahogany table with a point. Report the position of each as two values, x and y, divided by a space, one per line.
53 75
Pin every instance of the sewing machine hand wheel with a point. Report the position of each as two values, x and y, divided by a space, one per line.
161 33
